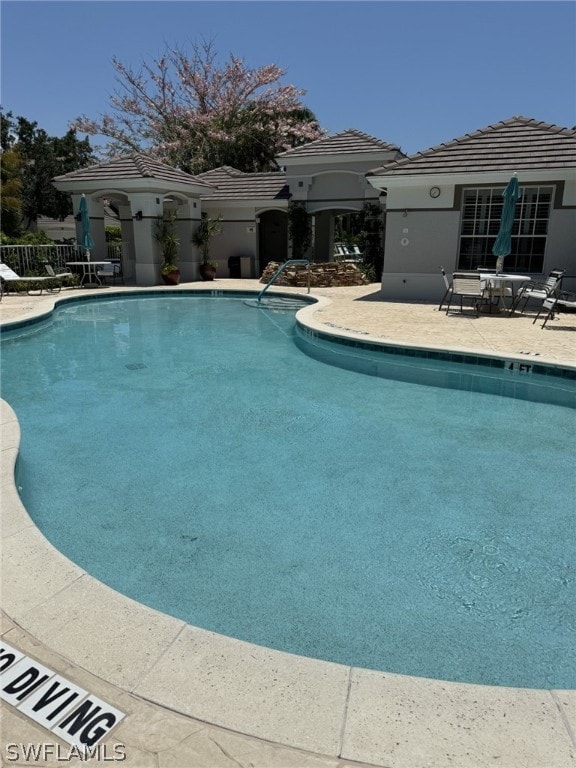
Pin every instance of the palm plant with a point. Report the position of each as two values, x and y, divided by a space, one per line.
168 241
202 237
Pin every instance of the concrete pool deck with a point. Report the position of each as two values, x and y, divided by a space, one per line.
197 699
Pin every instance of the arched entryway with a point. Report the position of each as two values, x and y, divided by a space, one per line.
359 226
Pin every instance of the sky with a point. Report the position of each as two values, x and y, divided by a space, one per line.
413 73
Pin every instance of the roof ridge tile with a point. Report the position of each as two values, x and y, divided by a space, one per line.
334 140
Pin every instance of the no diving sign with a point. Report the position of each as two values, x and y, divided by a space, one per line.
47 698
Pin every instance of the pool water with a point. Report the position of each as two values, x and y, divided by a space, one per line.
186 452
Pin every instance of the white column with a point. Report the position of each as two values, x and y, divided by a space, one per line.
127 229
76 208
146 207
97 228
187 221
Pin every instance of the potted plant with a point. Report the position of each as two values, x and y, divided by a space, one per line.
201 238
169 243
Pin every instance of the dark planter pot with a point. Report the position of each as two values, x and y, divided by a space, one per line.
207 272
171 278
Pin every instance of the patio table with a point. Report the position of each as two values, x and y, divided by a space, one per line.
497 282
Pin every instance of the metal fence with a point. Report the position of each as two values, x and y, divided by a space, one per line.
24 259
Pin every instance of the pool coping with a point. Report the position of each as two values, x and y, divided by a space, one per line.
324 708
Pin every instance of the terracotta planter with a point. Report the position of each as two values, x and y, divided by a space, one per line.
171 278
207 272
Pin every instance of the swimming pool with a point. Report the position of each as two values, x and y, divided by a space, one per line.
309 508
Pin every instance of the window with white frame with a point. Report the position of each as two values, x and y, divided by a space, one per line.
480 222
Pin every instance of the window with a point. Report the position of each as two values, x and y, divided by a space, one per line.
481 212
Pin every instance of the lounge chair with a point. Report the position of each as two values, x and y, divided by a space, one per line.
36 283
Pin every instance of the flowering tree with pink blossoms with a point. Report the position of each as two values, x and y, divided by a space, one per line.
195 114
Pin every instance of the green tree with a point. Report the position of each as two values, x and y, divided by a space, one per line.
7 137
42 157
11 193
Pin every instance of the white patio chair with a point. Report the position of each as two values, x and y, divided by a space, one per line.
467 285
112 272
60 274
60 271
538 290
340 250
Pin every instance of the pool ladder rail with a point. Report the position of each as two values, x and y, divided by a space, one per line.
279 271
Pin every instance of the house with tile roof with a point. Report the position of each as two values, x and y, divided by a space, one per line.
439 207
327 175
141 190
253 208
443 205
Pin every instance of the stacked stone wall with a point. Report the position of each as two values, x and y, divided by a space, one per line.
326 275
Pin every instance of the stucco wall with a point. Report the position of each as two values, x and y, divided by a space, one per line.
561 245
422 233
419 241
238 237
331 190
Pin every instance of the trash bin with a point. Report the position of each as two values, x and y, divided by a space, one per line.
234 266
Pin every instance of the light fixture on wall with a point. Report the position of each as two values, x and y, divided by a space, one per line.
138 216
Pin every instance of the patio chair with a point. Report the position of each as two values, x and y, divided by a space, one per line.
554 304
59 274
538 290
467 285
36 283
56 272
448 285
112 272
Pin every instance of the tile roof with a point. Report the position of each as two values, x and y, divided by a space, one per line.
510 145
231 183
350 141
134 166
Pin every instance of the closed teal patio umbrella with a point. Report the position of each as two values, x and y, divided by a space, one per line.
503 243
87 241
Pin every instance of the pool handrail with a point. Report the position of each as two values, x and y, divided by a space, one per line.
279 271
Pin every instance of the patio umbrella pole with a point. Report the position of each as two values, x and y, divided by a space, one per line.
503 244
87 241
